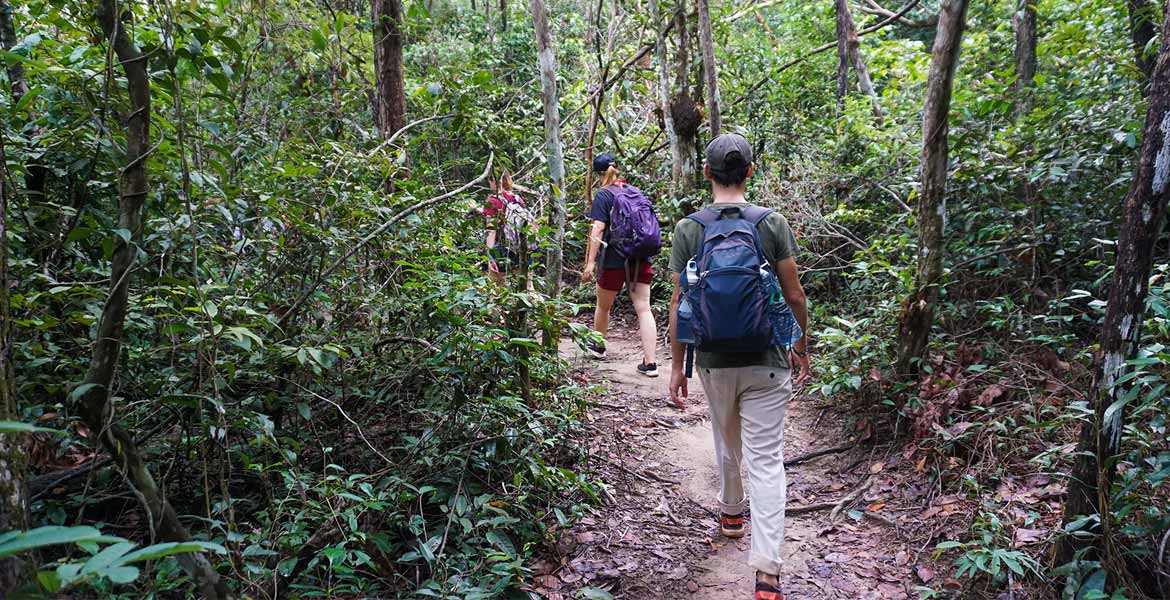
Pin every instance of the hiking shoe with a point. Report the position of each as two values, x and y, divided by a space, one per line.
767 592
731 526
648 369
596 350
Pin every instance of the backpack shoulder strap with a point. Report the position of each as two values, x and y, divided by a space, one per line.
704 217
755 214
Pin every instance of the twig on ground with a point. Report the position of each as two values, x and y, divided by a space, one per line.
803 458
883 520
851 497
800 510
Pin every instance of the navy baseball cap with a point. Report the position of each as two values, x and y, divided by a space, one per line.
602 162
728 152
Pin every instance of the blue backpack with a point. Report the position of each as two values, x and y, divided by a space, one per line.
731 299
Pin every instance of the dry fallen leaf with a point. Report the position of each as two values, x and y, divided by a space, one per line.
924 572
876 468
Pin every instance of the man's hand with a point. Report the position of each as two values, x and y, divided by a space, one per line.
678 388
587 272
493 267
803 373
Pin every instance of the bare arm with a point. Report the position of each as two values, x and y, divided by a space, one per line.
596 231
595 235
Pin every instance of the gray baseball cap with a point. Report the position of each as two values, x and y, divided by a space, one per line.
729 151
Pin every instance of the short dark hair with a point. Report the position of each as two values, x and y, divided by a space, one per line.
732 177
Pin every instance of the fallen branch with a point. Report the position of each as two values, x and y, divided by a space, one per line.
43 484
803 458
292 310
851 497
800 510
819 49
646 476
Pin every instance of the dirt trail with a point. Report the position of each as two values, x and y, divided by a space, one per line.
657 533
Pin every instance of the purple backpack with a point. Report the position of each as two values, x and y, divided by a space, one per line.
633 226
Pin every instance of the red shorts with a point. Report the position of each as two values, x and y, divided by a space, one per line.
614 279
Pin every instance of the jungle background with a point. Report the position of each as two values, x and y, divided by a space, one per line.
249 346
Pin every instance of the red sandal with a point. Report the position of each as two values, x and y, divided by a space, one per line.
731 525
768 592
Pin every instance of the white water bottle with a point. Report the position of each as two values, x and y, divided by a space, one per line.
692 273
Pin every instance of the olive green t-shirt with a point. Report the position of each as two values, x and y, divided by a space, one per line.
779 243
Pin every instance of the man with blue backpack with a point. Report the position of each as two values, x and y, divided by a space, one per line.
739 305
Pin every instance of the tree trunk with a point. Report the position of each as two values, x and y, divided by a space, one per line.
504 16
35 175
598 97
93 403
1024 19
1143 214
849 53
664 96
1142 16
554 153
918 308
842 52
710 71
683 109
390 80
13 509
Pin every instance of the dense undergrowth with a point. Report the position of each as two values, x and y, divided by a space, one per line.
378 442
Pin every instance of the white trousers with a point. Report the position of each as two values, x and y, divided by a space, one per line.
748 405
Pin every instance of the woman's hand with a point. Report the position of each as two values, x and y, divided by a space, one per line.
587 272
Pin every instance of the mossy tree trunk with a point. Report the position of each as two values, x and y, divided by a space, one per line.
1143 215
94 393
554 152
710 69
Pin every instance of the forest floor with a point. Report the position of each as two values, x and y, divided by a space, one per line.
656 532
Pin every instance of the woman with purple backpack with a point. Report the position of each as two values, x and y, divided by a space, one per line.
623 239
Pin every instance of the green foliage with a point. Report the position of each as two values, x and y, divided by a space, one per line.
110 564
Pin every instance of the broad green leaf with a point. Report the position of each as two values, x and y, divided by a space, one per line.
52 535
169 549
18 427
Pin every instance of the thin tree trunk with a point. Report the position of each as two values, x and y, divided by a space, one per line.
598 98
13 509
1142 16
918 308
683 109
710 70
849 54
93 403
664 96
554 153
390 79
842 7
1024 19
1143 215
35 175
504 16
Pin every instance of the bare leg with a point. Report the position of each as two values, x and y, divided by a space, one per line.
605 300
647 329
